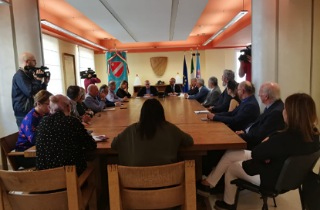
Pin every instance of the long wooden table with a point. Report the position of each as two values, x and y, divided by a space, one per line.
207 135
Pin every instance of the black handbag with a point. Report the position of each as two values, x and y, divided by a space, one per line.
311 191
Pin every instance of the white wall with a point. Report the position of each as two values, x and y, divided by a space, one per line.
286 45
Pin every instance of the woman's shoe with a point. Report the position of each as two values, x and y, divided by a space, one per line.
221 205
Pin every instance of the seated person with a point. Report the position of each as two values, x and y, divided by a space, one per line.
152 140
94 100
201 95
123 90
105 89
263 164
73 93
245 114
112 97
269 121
28 127
213 94
81 107
172 89
222 105
147 90
193 87
62 139
232 87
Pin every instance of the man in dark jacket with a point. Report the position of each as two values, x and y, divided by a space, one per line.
222 105
25 84
269 121
245 114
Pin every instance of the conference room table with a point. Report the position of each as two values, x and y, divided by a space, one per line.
207 135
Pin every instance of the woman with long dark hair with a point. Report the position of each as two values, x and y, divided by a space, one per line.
152 140
262 166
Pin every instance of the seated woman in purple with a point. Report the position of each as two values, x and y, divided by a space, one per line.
28 127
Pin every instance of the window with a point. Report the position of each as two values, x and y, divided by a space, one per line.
52 61
86 60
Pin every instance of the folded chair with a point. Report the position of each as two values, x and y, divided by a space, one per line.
292 175
52 189
153 187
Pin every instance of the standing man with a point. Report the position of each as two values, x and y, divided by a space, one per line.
245 114
26 83
172 89
91 79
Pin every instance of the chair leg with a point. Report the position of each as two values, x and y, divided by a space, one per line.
236 198
301 199
274 201
265 203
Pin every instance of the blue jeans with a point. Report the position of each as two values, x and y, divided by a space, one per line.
19 120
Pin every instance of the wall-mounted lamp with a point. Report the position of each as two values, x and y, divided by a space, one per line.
233 21
69 33
4 3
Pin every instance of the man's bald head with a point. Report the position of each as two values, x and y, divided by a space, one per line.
93 90
269 92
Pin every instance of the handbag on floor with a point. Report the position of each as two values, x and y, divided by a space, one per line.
311 191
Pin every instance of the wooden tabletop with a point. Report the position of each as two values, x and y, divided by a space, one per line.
207 135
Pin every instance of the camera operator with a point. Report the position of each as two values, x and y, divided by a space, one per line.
245 63
91 78
25 84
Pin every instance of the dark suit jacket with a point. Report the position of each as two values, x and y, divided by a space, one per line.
193 91
201 95
268 122
177 89
143 91
242 116
223 102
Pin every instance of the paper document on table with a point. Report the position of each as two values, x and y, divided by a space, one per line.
202 112
100 138
109 109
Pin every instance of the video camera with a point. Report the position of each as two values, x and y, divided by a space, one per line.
34 69
245 52
85 74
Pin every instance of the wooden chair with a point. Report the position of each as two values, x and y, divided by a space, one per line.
52 189
292 175
153 187
8 144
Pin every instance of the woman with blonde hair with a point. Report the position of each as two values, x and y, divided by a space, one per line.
262 166
62 139
28 127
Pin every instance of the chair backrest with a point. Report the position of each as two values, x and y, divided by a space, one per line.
54 189
295 170
153 187
8 143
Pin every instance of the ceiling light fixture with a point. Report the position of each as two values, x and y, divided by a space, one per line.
4 2
233 21
69 33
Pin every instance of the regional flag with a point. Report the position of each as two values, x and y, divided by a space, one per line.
117 67
192 67
198 75
185 76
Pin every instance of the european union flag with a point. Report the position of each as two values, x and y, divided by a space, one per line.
185 76
117 67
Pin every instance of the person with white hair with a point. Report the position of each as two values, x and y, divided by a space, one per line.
201 95
61 138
